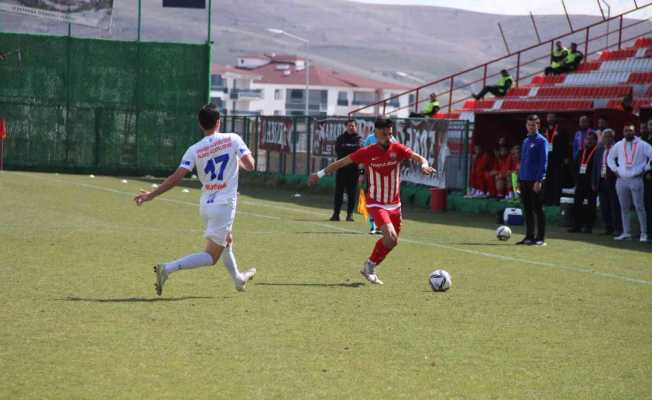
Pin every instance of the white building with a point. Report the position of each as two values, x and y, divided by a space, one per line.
275 85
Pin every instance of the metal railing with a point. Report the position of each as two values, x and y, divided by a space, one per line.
458 90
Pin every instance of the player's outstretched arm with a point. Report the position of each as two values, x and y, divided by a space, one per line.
171 181
425 168
247 163
332 167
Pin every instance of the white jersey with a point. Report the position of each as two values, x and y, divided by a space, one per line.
216 159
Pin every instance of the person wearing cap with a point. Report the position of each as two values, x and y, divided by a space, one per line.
500 89
630 159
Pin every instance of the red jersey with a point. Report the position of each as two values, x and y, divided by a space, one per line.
383 173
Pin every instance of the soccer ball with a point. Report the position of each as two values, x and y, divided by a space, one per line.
440 280
503 233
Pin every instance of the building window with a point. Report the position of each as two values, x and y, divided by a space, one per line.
343 99
217 82
295 95
363 98
277 94
394 102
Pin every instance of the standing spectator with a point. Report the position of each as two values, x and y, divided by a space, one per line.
430 109
557 57
573 59
500 89
629 159
346 179
585 196
604 182
580 135
602 125
559 156
647 178
534 159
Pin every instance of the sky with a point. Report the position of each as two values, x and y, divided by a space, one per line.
516 7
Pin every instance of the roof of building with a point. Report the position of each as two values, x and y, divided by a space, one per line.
272 73
223 69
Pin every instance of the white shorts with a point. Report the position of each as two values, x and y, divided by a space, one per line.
218 221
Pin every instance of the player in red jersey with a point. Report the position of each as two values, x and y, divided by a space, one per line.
383 171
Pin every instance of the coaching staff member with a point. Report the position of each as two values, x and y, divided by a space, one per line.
534 160
346 179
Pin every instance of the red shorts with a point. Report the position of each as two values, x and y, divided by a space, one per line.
383 217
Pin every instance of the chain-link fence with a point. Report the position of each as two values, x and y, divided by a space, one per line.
110 107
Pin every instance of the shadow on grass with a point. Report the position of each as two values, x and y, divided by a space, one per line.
326 285
134 299
328 233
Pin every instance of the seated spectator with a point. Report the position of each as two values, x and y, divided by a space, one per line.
559 54
585 196
515 155
505 166
603 182
481 162
504 83
572 60
430 109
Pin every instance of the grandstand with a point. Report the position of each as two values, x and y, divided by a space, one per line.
608 74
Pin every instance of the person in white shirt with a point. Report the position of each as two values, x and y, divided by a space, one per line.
629 159
217 157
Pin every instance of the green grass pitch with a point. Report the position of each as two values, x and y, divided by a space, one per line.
80 319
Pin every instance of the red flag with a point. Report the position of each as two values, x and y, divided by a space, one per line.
3 129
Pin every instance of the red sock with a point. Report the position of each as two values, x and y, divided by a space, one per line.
379 253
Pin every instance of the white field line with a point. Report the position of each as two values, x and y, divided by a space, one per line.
406 240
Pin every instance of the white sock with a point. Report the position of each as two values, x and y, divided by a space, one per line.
196 260
230 263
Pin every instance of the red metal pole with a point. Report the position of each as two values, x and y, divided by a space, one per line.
450 95
586 43
620 32
518 68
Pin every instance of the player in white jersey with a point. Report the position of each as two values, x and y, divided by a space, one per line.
217 157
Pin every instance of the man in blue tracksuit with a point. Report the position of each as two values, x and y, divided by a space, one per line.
534 161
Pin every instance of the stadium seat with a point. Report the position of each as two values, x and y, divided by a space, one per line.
617 54
628 65
643 42
589 66
640 77
548 80
596 78
518 92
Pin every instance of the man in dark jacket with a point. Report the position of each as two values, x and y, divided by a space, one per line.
603 181
534 159
346 179
585 196
647 178
559 157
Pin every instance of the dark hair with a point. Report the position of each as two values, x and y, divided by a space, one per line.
351 121
603 117
381 123
208 116
533 117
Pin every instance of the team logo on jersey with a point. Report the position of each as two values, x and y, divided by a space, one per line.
392 156
242 151
186 163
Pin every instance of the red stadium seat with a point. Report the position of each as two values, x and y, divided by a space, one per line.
643 42
589 66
